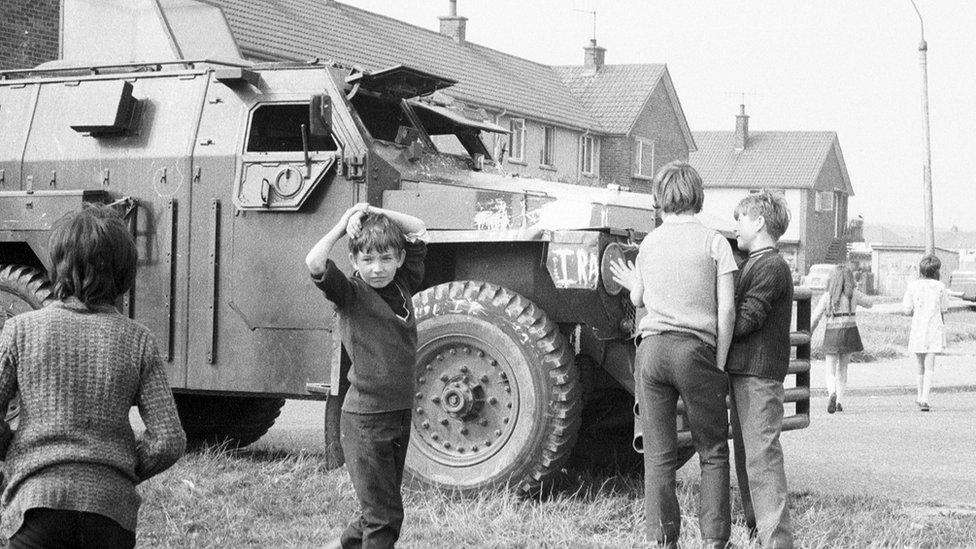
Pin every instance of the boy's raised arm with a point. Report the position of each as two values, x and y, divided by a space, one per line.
319 254
407 223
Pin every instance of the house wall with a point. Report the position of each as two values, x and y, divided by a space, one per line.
28 32
894 268
658 124
822 226
565 167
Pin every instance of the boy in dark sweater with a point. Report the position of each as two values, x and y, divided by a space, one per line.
757 365
379 331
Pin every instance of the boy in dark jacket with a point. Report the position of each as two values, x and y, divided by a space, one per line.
379 331
757 365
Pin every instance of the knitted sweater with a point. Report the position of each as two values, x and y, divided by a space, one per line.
764 312
79 371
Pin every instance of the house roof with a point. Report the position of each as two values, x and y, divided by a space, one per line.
608 101
779 159
349 35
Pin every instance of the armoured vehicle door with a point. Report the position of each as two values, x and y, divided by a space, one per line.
252 302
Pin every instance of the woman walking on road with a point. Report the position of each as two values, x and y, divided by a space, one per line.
927 300
841 337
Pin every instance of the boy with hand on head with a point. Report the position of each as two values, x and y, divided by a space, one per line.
757 365
379 332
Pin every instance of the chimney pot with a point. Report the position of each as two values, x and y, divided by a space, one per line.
741 129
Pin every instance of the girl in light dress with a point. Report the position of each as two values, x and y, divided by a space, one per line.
841 337
927 300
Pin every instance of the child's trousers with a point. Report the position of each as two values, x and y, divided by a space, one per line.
672 365
375 448
757 420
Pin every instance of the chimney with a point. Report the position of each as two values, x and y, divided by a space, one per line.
452 25
741 129
593 56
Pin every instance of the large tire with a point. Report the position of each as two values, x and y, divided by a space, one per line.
22 289
498 398
211 420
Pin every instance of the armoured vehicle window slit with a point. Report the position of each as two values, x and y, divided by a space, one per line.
278 128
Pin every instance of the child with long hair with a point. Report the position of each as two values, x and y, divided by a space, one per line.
927 300
841 337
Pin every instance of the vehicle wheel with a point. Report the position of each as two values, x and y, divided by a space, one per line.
498 398
22 289
224 420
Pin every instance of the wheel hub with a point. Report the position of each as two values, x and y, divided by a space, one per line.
466 403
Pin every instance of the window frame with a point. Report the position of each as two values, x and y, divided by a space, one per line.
583 155
548 153
819 204
639 157
517 127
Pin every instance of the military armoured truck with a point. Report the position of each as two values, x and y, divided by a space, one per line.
228 172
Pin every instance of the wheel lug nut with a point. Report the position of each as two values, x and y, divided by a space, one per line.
444 378
505 420
508 389
467 350
492 400
509 405
422 380
430 367
420 410
447 444
434 436
493 362
425 424
484 378
484 422
435 399
504 375
481 354
440 357
453 351
464 369
420 395
474 448
498 432
444 421
461 449
487 443
464 430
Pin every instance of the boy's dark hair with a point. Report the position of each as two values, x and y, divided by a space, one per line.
378 233
929 267
93 256
678 188
771 206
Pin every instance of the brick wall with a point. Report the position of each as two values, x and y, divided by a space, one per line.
821 227
28 32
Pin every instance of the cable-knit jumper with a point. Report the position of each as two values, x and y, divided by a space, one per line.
79 371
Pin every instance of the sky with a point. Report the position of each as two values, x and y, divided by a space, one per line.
846 66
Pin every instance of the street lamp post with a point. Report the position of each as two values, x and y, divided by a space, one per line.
927 156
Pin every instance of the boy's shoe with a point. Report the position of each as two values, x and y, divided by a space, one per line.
923 406
839 407
832 403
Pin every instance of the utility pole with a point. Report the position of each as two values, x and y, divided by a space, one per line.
927 156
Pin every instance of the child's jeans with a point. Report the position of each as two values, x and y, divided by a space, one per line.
375 447
671 365
757 419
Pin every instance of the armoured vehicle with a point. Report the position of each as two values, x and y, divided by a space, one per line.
229 171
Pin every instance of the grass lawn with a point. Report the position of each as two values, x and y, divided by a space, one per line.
261 498
886 335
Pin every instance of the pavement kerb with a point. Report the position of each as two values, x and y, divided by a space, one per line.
889 390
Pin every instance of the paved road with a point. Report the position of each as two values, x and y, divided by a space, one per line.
878 446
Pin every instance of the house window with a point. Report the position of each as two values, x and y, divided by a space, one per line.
548 146
643 158
516 140
587 154
824 201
